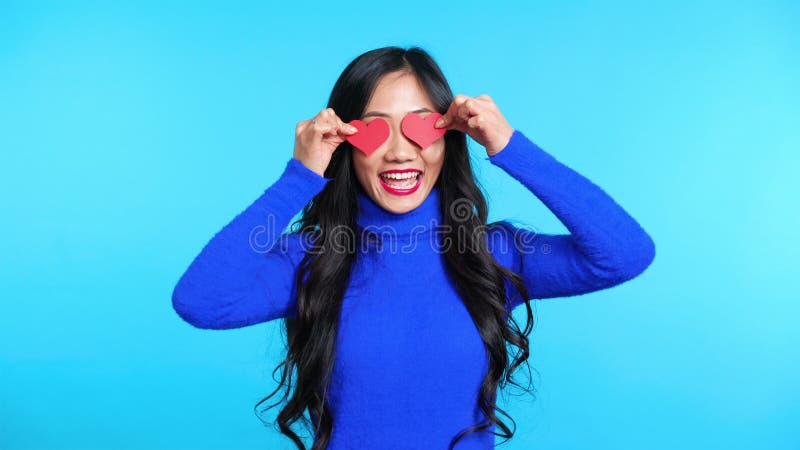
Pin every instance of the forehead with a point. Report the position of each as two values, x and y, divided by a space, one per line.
398 93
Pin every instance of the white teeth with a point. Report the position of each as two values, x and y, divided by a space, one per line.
400 176
401 181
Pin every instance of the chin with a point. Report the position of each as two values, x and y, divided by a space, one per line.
402 204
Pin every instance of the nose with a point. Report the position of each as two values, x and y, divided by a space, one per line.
401 149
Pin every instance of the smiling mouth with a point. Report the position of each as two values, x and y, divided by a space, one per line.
405 180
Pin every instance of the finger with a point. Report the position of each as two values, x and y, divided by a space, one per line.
309 126
468 109
335 127
301 126
447 117
487 102
328 115
332 114
346 128
322 126
460 98
324 121
477 122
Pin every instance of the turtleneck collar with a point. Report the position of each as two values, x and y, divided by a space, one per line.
423 218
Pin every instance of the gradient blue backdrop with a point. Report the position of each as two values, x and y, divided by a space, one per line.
131 133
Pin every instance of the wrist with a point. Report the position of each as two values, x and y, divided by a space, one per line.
501 143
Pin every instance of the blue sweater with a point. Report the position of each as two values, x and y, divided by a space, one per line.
409 357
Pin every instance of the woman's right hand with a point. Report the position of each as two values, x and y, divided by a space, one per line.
316 139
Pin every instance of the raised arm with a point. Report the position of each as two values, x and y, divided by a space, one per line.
241 277
605 247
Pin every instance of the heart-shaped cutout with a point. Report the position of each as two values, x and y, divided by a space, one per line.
421 130
370 136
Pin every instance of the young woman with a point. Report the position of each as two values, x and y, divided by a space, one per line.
395 292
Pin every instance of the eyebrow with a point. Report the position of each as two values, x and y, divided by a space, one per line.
382 114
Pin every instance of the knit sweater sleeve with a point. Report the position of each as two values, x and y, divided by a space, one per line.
244 275
605 245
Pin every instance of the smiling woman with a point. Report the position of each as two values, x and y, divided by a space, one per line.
406 348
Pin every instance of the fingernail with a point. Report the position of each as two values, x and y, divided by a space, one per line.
439 122
352 129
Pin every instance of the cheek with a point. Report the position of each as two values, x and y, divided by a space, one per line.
435 158
362 167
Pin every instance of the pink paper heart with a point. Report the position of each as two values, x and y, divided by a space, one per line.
370 136
421 130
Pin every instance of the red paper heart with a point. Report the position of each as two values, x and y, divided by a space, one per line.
370 136
421 130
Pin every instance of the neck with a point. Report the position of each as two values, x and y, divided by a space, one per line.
372 216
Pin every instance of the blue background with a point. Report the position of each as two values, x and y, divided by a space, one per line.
131 133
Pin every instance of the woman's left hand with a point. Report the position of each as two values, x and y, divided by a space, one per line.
480 118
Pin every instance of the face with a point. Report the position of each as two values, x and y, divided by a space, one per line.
397 94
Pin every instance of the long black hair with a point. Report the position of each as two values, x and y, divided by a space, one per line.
323 275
